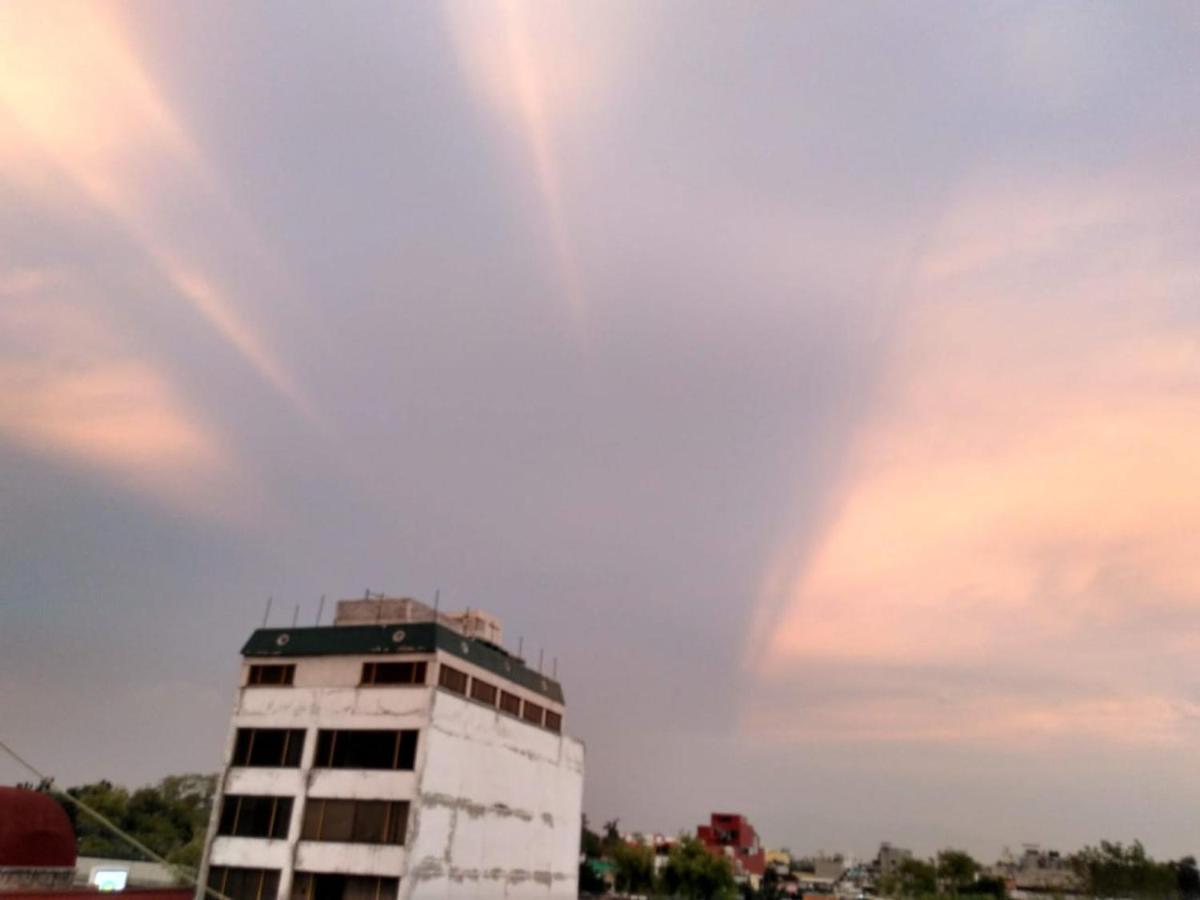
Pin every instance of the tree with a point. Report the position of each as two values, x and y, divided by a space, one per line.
590 881
913 878
589 842
633 868
612 838
1187 878
1113 870
170 818
695 874
956 870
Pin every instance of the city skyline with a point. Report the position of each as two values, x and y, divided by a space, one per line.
815 386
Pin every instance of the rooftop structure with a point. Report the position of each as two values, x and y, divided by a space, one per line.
37 842
399 753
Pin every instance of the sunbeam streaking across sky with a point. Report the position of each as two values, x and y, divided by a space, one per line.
1019 516
539 77
75 99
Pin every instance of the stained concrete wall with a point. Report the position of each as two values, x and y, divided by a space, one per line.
498 808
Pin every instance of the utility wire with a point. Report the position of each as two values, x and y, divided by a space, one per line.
184 872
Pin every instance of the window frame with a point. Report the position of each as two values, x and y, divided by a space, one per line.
369 676
447 673
254 677
261 892
280 816
395 828
404 749
292 746
488 686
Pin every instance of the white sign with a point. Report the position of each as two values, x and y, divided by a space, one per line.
108 879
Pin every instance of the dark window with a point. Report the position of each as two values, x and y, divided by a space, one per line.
452 679
532 713
483 692
356 821
553 720
393 673
244 884
255 816
510 703
268 747
366 749
271 675
320 886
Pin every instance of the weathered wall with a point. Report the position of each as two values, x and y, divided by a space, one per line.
498 808
311 704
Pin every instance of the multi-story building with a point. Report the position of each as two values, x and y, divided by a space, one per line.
399 753
890 858
732 836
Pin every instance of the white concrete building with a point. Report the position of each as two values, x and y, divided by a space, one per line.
395 754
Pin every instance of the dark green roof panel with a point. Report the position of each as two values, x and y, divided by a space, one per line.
415 637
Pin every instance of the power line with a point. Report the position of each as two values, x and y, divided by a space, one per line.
187 874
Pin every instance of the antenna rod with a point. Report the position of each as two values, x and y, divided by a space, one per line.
267 611
540 652
554 670
295 615
320 609
521 647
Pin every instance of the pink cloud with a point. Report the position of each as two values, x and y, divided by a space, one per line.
1025 496
71 388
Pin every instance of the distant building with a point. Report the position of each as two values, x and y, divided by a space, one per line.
888 861
1038 870
732 836
779 860
399 753
829 867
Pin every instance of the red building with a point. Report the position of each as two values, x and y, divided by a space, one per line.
731 836
37 853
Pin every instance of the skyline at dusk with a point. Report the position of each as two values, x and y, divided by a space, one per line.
817 387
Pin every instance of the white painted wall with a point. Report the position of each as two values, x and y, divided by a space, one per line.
498 808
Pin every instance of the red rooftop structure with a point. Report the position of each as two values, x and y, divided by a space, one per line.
37 853
732 836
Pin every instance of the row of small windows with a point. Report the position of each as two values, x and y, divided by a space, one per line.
336 749
263 884
477 689
393 673
347 821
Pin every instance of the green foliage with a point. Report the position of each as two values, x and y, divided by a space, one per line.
612 838
914 878
1187 878
988 887
589 842
633 868
956 870
695 874
170 818
590 881
1114 870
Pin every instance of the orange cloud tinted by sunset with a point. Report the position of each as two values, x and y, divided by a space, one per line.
1022 505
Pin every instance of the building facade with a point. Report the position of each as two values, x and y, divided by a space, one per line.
732 836
399 753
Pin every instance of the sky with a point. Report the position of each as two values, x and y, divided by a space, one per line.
816 385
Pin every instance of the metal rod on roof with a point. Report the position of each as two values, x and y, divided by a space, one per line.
437 602
540 652
267 611
520 647
554 669
320 609
295 615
